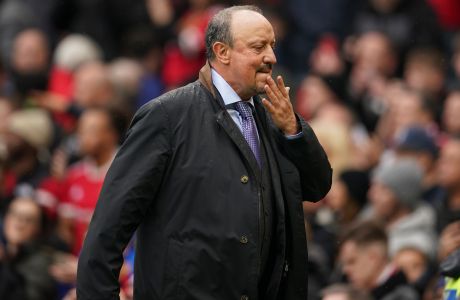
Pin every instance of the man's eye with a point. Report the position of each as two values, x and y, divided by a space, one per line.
259 47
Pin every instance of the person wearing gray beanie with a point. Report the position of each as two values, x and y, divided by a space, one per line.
409 222
403 178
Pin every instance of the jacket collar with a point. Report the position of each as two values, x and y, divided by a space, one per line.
205 79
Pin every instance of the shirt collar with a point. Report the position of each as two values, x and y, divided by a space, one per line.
225 90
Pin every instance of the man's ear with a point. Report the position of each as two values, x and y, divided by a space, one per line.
221 52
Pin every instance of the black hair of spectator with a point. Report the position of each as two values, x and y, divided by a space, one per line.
364 233
118 120
429 56
44 223
218 29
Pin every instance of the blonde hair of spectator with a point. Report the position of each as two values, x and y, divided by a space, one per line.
75 50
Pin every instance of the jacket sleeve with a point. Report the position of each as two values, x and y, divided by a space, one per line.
130 186
307 154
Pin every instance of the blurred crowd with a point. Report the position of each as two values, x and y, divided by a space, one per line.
378 80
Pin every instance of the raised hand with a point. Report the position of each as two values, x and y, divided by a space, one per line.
279 106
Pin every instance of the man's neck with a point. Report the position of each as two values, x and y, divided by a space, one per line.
103 157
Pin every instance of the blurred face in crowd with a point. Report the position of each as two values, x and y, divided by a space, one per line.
408 111
385 6
22 221
424 78
92 85
383 201
451 113
313 93
374 55
362 264
337 197
95 134
337 296
30 51
6 109
449 165
248 63
412 262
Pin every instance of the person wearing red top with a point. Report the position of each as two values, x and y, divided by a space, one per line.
99 132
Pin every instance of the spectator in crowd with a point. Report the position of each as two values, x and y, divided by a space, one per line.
126 75
424 71
26 140
343 292
314 92
417 143
365 262
450 268
405 108
450 119
395 201
307 25
99 132
455 61
373 62
416 263
24 257
448 207
408 23
30 62
348 196
71 193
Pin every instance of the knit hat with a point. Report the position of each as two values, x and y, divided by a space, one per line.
403 178
33 125
416 139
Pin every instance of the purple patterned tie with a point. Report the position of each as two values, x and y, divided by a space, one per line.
248 127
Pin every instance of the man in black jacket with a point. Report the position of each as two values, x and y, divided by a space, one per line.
213 180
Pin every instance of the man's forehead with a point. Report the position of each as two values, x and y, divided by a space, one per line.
249 24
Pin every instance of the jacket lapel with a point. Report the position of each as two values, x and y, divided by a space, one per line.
225 121
261 118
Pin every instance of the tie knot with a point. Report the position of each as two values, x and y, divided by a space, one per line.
244 108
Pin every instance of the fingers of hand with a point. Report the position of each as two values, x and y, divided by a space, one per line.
282 88
268 105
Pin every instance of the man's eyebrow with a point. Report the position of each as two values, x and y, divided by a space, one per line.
261 40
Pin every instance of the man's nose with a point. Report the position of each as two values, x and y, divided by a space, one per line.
270 57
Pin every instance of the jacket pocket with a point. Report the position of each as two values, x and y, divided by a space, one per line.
173 270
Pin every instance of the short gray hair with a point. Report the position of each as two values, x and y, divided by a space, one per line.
218 29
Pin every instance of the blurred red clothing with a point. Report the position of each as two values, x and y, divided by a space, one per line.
74 197
79 194
61 83
448 12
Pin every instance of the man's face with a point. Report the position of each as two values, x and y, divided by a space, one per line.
251 57
449 165
451 112
94 132
22 221
361 264
412 262
383 201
